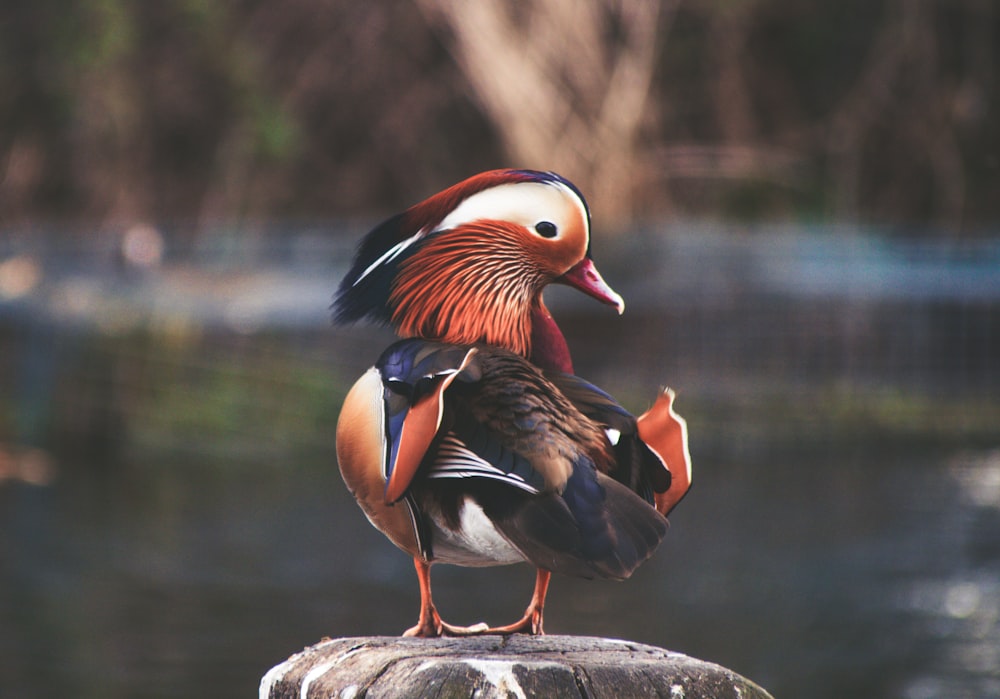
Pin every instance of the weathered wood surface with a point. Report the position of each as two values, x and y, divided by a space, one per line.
499 666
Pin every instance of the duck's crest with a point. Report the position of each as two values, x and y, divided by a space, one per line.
364 291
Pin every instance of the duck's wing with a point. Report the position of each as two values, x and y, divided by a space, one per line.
415 375
492 426
665 433
435 430
651 452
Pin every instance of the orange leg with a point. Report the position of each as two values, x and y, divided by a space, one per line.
531 622
429 624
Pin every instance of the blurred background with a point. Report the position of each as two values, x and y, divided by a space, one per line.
800 202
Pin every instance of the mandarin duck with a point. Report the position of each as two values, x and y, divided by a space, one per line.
471 441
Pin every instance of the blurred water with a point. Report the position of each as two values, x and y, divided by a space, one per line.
827 573
185 528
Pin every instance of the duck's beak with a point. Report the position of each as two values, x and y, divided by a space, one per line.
585 277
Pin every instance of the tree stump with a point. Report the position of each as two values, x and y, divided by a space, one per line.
499 666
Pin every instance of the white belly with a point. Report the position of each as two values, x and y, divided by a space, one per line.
476 543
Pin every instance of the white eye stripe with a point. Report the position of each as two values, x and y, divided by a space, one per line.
574 197
523 203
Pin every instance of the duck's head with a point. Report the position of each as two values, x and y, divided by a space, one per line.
469 265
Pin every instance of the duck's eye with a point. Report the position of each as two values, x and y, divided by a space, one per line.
546 229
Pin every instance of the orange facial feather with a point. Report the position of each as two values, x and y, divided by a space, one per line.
476 283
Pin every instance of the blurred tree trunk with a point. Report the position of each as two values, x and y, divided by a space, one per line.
900 91
728 35
564 82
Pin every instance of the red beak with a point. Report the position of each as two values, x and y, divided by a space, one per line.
585 277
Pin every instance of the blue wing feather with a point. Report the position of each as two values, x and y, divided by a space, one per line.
468 449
